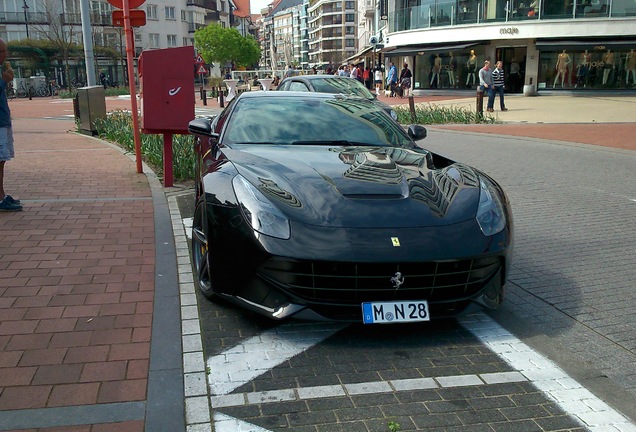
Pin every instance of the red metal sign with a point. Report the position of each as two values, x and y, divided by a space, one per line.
131 3
199 60
202 70
137 18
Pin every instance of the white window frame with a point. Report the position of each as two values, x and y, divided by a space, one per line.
151 11
153 40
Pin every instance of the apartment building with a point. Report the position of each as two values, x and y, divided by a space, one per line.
169 23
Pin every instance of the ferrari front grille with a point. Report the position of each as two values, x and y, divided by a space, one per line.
344 283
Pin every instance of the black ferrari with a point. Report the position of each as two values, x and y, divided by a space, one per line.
321 206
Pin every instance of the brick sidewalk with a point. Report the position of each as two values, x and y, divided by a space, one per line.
76 277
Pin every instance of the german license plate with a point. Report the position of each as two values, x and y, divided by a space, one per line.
395 312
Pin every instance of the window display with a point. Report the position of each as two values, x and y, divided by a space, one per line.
597 67
447 69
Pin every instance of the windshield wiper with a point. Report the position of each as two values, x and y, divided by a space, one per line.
332 142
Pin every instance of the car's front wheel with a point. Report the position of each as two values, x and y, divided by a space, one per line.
201 251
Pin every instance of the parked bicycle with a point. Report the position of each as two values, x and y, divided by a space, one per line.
21 91
10 91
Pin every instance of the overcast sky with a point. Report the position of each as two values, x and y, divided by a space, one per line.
257 5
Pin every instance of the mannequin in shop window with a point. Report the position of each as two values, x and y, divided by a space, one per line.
630 66
608 65
437 67
562 66
452 67
471 64
582 69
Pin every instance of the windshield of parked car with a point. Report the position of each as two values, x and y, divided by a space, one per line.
296 119
341 85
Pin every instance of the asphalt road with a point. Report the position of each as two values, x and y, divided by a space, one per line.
567 326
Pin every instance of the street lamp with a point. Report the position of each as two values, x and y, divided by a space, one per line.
26 16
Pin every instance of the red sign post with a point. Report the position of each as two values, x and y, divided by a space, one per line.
126 5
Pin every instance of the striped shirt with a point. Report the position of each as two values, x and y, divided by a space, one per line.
498 77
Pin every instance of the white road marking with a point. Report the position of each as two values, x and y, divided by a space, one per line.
571 396
365 388
225 423
187 224
259 354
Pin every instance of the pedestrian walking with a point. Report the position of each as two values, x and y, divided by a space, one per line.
497 87
378 80
485 83
367 77
392 79
8 203
405 80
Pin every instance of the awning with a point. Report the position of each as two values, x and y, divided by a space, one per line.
359 56
578 44
415 49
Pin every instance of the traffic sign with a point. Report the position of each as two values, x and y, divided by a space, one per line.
202 70
199 60
137 18
119 4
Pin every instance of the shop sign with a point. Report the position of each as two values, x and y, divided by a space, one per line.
509 31
384 12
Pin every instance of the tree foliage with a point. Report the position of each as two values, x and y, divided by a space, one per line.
223 45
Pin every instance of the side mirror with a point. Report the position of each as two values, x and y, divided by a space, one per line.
416 132
201 126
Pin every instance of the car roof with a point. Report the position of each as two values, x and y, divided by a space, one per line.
313 77
274 94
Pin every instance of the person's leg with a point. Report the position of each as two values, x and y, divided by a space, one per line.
2 194
491 98
502 104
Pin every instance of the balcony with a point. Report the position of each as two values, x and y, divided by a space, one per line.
104 19
213 15
369 8
18 17
192 27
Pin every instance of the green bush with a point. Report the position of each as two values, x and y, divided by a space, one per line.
111 91
434 114
117 127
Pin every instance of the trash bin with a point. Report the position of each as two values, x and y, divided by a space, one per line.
91 105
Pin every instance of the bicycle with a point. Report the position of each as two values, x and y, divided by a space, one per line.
10 91
22 91
42 90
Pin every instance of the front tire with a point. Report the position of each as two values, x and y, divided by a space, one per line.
201 250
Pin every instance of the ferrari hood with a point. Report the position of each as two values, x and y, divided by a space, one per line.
360 187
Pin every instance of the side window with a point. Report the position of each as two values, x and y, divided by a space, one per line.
298 86
284 86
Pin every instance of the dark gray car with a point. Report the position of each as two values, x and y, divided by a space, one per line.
332 84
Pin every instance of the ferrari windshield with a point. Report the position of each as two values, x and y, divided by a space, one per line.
295 118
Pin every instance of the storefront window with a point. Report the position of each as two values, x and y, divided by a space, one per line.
448 69
598 67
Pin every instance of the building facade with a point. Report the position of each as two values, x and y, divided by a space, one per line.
333 31
169 23
544 44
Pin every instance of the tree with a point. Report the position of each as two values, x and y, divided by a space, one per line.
223 45
60 32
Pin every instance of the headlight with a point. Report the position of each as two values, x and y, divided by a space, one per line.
263 215
490 213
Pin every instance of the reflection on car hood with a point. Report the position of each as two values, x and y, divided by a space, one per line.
359 186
